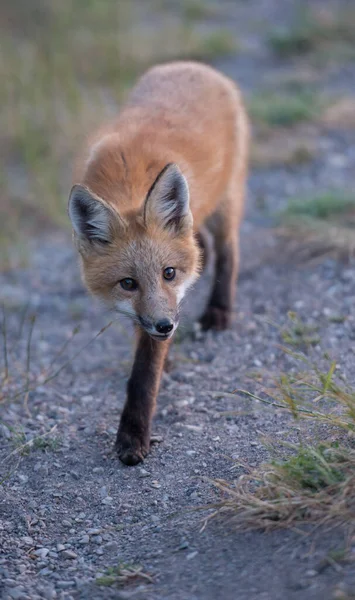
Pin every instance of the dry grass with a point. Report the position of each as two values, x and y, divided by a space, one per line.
64 68
320 225
124 575
316 483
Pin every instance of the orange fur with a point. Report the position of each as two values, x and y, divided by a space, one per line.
176 155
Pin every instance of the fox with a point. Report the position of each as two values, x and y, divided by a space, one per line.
146 187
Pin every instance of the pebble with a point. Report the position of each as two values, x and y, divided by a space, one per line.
41 552
64 585
28 541
107 500
94 531
184 545
45 571
60 547
98 470
103 492
97 539
49 593
113 546
17 594
84 540
155 484
69 554
143 473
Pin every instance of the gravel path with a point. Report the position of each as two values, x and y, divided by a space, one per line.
69 509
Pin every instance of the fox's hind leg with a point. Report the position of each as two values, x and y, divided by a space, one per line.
224 225
219 309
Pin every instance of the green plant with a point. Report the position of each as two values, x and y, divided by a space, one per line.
316 482
284 108
123 574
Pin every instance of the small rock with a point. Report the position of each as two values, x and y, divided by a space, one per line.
113 546
155 484
9 582
28 541
107 500
60 547
103 492
41 552
17 594
311 573
191 555
184 545
98 470
49 593
22 478
64 585
46 571
5 431
69 554
94 531
143 473
84 540
97 539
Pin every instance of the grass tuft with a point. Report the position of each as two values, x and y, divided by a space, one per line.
319 225
123 575
284 108
316 483
316 31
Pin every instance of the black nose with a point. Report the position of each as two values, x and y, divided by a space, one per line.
164 326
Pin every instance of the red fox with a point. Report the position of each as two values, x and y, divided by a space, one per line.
174 161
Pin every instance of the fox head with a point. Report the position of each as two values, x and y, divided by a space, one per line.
141 263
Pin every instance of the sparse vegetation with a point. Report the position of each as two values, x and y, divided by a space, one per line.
319 225
299 334
323 32
123 575
322 206
284 108
317 482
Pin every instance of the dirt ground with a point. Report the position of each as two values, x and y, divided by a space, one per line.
69 510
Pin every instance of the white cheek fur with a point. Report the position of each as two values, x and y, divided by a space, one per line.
182 289
125 307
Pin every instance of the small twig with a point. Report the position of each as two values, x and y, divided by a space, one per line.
28 349
64 347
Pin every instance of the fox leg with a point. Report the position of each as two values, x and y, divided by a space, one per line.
133 436
219 309
224 224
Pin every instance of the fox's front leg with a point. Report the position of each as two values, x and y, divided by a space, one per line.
133 436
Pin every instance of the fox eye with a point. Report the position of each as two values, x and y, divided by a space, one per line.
169 273
128 284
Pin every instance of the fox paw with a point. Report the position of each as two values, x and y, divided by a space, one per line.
215 318
131 449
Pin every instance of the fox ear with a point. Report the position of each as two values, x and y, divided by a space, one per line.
167 202
90 217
